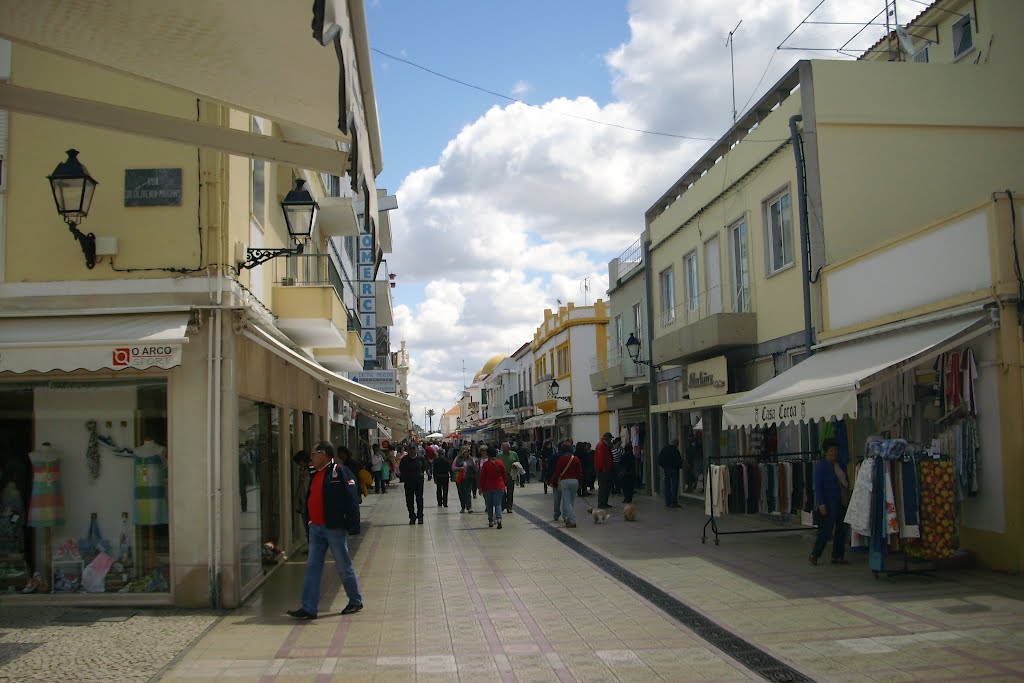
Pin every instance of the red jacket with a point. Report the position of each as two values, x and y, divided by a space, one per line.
569 464
602 457
492 475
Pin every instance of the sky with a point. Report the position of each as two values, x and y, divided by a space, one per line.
509 200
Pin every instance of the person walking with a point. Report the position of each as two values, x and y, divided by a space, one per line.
671 461
410 473
332 502
507 457
547 461
831 496
627 471
442 468
463 469
568 472
603 469
376 468
493 480
430 452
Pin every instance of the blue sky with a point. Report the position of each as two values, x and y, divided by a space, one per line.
504 209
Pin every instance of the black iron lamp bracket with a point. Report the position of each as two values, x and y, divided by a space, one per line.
255 257
86 241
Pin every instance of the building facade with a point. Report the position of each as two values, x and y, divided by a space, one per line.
185 364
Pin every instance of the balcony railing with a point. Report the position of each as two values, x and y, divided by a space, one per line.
707 303
631 258
319 270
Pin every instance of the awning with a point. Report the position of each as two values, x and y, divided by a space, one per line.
826 385
545 420
696 403
481 425
392 409
93 342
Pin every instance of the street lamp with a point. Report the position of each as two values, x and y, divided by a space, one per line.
73 189
300 211
633 347
553 391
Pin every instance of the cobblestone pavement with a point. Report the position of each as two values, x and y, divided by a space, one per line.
454 600
54 644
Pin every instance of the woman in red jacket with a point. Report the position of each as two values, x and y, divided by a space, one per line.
492 485
566 476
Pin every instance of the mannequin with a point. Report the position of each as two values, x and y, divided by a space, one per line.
150 484
46 506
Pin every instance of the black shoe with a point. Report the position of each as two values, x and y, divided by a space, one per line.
412 521
419 520
351 609
499 523
604 506
301 614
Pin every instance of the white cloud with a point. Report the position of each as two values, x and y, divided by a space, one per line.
525 202
520 88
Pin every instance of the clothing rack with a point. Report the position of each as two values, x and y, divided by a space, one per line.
905 570
801 456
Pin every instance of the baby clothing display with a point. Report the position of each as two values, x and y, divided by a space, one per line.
46 507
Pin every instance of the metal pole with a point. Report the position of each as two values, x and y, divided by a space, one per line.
732 66
652 379
805 237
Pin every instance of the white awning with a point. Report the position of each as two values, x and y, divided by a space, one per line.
545 420
93 342
387 407
826 385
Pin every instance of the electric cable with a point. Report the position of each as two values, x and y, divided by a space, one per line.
502 96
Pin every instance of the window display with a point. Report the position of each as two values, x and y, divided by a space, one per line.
80 461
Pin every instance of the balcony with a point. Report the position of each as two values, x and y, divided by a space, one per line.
347 358
710 323
618 370
309 301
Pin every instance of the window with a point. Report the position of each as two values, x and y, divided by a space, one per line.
618 332
667 288
779 229
740 267
692 283
921 55
258 205
963 40
637 319
562 367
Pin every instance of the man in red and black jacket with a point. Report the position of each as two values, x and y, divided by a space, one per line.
332 503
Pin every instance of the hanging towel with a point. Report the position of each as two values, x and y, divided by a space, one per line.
858 514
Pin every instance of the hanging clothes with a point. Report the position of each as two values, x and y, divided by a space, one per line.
938 510
46 506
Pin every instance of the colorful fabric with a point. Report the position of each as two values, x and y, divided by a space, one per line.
46 507
150 490
938 510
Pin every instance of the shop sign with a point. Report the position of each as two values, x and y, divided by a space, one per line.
152 187
707 378
367 304
141 357
780 413
381 380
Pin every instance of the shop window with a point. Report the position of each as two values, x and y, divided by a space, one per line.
258 485
97 523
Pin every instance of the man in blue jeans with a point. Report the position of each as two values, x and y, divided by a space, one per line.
831 493
332 504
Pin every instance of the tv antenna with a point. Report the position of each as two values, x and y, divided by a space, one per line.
732 66
585 287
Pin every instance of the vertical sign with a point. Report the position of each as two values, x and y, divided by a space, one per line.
367 298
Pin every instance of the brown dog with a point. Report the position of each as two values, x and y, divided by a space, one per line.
629 512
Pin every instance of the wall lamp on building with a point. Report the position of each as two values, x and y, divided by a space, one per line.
73 189
633 347
508 404
300 210
553 391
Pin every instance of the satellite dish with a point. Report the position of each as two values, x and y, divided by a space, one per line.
906 42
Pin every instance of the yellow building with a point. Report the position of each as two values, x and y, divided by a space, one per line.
882 148
162 342
563 347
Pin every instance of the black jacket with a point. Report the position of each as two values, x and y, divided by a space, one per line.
442 467
670 458
341 497
410 468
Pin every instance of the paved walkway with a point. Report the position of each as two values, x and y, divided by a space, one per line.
455 601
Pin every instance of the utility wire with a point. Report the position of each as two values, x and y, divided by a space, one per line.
550 111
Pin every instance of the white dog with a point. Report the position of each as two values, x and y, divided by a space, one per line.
600 516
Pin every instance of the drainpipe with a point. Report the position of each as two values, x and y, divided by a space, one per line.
805 236
652 379
810 428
